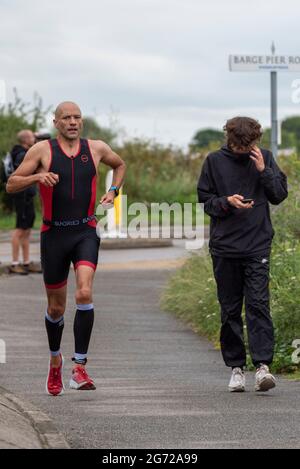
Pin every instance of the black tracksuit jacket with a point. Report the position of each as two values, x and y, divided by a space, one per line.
237 232
18 154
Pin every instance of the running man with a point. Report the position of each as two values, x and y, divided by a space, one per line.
66 170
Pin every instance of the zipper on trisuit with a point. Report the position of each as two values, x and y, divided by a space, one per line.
73 178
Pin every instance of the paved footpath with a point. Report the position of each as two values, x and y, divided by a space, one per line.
159 385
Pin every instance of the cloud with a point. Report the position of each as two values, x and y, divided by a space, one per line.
163 65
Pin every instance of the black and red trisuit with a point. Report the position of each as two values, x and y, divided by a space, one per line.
68 233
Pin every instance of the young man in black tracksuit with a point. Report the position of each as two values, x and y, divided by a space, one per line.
240 244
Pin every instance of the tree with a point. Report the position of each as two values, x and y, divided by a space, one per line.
266 139
92 130
292 124
290 134
206 138
18 115
291 128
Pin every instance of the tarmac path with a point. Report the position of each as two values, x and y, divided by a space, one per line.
159 385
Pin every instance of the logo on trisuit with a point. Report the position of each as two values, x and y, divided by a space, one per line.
84 158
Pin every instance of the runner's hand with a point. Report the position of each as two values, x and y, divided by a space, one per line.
108 198
258 159
235 201
49 179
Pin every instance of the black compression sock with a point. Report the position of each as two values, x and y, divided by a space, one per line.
54 331
83 325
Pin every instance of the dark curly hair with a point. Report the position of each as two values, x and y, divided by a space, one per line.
242 132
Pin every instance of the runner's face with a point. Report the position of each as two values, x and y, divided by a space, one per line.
69 123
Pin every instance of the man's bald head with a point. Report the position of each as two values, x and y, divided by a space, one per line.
66 107
26 138
68 120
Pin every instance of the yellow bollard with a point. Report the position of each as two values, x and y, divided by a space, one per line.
118 209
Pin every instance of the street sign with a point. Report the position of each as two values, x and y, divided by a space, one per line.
264 63
267 63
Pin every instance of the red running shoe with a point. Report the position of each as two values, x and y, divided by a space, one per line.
80 380
54 384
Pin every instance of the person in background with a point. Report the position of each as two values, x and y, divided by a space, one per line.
236 186
25 211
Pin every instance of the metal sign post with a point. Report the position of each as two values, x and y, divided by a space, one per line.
270 63
274 119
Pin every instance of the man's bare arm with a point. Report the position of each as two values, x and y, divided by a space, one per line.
25 175
110 158
107 156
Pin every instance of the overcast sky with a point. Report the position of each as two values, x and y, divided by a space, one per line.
159 66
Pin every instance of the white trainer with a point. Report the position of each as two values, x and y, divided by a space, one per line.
264 380
237 381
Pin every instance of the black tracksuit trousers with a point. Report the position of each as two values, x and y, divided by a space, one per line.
239 279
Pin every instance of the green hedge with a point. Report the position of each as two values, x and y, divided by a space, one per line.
191 295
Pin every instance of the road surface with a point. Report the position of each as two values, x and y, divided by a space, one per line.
159 385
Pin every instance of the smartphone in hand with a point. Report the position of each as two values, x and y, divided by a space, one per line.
247 201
